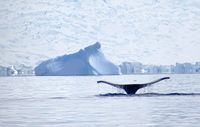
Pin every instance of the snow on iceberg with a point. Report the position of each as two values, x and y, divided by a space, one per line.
87 61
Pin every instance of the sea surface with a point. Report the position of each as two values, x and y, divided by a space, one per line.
78 101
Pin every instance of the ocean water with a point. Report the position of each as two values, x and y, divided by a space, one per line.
78 101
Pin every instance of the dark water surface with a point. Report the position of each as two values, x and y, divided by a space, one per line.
81 102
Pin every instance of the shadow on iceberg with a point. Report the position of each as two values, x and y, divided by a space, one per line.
87 61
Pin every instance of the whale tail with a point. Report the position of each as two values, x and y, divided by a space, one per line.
133 88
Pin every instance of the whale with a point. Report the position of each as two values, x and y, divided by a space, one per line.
132 88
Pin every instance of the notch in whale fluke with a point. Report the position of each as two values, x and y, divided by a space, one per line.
133 88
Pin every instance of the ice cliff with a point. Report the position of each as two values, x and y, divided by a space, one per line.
87 61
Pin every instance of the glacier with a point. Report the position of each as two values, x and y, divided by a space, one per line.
150 31
87 61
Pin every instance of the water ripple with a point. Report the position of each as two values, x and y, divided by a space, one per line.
147 94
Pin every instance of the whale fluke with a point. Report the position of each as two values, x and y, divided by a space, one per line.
133 88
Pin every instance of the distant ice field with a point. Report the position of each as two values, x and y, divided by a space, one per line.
152 32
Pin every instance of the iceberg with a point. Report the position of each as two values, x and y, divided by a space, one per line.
87 61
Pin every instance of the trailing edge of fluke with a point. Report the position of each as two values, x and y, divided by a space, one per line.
133 88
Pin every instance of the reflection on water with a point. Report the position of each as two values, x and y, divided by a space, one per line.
80 101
